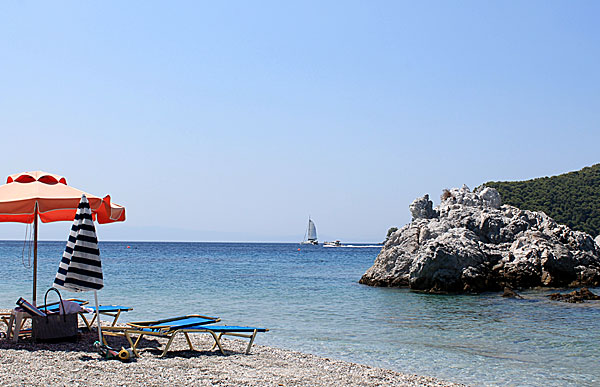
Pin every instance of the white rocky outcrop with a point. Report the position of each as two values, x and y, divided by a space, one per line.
471 242
422 208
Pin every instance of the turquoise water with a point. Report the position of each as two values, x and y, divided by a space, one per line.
312 302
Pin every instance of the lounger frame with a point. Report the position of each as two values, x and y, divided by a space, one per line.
115 313
150 328
128 332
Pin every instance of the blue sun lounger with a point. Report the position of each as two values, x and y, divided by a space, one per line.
175 322
113 311
54 307
216 331
167 328
228 330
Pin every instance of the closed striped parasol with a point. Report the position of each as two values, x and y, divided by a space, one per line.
80 269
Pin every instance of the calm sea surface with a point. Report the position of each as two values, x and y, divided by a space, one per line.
312 302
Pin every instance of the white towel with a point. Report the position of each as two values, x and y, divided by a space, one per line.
70 307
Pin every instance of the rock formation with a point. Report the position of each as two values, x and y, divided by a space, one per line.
575 296
509 293
422 208
473 243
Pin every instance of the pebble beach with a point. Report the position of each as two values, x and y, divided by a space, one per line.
77 364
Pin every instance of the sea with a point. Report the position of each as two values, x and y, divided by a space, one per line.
310 299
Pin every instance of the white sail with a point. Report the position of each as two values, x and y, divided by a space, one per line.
310 237
312 231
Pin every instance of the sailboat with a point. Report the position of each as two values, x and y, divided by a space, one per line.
310 236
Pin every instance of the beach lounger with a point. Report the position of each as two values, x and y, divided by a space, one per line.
53 306
113 311
8 319
15 329
170 328
4 317
15 320
165 328
227 330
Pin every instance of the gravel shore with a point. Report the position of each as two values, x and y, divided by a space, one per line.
76 364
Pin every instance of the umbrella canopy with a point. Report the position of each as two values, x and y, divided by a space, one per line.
56 201
80 269
28 196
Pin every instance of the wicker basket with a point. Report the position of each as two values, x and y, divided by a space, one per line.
54 326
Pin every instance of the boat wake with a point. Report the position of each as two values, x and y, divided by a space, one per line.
356 246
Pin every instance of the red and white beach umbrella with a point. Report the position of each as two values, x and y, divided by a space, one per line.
28 196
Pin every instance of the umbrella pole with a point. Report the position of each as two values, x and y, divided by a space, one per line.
35 240
98 317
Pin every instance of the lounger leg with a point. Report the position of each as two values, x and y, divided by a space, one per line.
9 331
116 316
217 341
138 340
187 337
131 344
87 324
169 344
5 320
251 341
18 325
215 344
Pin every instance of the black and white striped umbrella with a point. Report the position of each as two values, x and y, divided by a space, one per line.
80 269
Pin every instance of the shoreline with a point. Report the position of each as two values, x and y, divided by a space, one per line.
27 363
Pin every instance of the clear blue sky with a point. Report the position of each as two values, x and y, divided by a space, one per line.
235 121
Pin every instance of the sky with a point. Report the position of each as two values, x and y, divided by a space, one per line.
236 121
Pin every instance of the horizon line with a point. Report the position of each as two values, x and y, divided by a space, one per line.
168 241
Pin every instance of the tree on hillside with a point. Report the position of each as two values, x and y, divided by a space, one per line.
572 198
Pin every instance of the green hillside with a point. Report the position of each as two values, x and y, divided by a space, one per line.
572 198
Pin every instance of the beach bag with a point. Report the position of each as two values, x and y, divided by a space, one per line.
54 326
